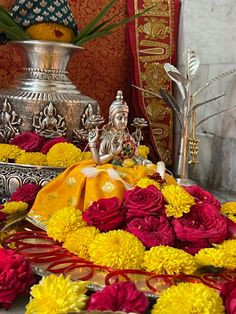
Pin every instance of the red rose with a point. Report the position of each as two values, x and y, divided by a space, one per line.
231 229
49 144
105 214
16 277
28 141
144 202
228 293
152 231
202 195
203 223
121 296
26 193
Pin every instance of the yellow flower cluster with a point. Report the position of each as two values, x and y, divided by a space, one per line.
117 249
56 294
60 155
145 182
189 298
36 159
168 260
9 152
78 241
143 151
10 208
128 163
64 155
216 257
179 201
229 209
64 221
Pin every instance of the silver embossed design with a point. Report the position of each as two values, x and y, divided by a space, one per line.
13 176
9 122
48 123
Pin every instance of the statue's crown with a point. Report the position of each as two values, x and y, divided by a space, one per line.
118 105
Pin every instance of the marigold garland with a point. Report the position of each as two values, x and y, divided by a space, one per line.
9 152
179 201
228 246
63 155
117 249
10 208
189 298
143 151
168 260
145 182
78 241
215 257
63 221
37 159
56 294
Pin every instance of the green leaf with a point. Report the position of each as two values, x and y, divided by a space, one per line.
94 22
103 30
10 27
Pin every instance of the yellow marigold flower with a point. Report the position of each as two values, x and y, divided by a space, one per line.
189 298
63 221
229 246
143 151
78 241
63 155
118 249
56 294
14 207
8 151
145 182
228 208
37 159
168 260
86 155
128 163
179 201
216 258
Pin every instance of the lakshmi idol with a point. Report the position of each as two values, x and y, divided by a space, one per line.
103 176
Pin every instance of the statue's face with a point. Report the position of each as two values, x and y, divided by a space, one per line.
120 120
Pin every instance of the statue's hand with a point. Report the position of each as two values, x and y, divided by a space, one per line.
93 135
116 145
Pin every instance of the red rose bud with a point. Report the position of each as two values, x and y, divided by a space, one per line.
121 296
228 294
152 231
28 141
49 144
26 193
202 195
105 214
144 202
16 277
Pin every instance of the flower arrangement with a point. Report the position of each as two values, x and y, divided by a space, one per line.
29 148
160 230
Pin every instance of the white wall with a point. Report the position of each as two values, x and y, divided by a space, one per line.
209 28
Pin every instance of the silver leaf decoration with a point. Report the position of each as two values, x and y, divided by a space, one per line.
192 63
177 77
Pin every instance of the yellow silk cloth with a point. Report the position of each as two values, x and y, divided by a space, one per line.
81 184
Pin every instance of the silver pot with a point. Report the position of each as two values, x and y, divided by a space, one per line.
43 98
